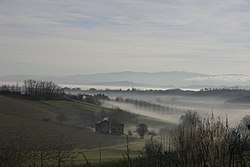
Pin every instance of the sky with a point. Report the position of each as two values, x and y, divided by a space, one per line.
63 37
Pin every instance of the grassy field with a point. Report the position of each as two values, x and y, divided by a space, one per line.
22 117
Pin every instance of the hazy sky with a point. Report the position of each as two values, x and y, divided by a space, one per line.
87 36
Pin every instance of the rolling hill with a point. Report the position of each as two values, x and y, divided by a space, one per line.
38 119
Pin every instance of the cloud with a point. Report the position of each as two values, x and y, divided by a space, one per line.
227 78
113 34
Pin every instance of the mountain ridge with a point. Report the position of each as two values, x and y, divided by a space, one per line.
163 78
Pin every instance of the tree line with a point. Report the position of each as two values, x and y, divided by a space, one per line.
147 105
34 88
203 142
44 88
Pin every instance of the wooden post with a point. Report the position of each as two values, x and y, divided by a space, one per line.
169 144
72 161
165 141
129 161
100 152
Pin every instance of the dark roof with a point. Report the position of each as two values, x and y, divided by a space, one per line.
103 122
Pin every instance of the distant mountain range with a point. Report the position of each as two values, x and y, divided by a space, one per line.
142 79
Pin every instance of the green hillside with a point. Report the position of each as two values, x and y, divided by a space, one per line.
37 122
39 118
19 117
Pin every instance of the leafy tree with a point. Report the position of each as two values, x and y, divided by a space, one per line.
246 121
130 132
141 130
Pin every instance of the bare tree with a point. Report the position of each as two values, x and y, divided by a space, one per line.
15 152
200 142
154 152
238 143
62 150
44 151
41 88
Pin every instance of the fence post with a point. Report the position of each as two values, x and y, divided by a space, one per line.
128 156
100 153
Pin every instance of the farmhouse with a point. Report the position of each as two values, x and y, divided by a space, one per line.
103 127
107 127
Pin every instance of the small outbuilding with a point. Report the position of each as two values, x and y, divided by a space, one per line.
117 129
107 127
103 127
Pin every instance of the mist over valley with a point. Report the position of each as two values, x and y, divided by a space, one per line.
173 106
124 83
